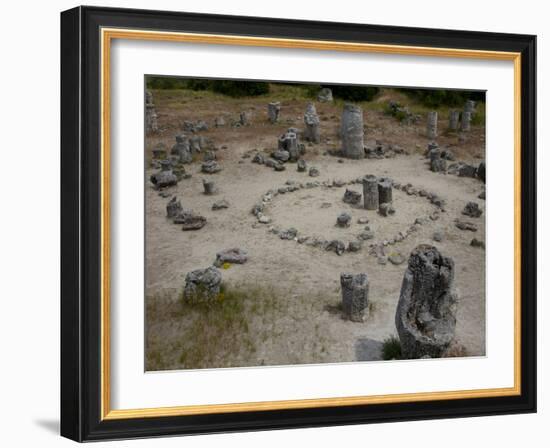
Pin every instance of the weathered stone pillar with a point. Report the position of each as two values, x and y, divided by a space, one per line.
355 296
244 118
273 111
151 124
426 312
370 192
470 106
352 132
385 191
431 126
325 95
182 149
289 142
454 118
311 120
466 121
173 208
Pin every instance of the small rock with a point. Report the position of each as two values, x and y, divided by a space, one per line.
472 210
438 236
202 285
190 220
355 246
210 167
288 234
465 225
396 258
352 197
234 255
302 166
343 220
314 172
336 246
363 220
221 204
366 235
386 209
477 243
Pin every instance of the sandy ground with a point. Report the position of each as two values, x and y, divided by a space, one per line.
306 278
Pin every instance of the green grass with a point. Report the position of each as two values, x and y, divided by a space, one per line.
391 348
206 334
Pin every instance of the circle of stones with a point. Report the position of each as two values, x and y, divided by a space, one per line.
338 246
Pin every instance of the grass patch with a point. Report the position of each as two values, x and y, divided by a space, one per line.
391 348
197 334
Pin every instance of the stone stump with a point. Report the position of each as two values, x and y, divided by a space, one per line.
370 192
165 177
431 125
352 197
244 118
385 191
182 149
466 121
273 111
355 296
173 208
454 118
311 121
426 312
352 132
202 285
470 106
209 187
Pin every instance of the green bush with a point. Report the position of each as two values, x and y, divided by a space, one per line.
240 88
354 93
391 348
439 97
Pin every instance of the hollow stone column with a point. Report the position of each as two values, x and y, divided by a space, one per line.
370 192
431 126
311 120
454 117
355 296
352 132
385 191
466 121
426 312
273 111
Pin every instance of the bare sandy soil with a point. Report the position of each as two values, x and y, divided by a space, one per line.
307 328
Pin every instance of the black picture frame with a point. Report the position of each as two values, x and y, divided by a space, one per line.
81 224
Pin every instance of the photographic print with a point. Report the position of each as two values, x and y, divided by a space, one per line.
290 223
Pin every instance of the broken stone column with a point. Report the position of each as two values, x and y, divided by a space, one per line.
311 120
244 118
355 296
466 121
431 126
289 142
325 95
454 118
151 124
370 192
209 186
202 285
182 149
273 111
426 312
385 191
352 132
173 208
470 106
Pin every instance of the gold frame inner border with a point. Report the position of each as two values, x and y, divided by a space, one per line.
107 36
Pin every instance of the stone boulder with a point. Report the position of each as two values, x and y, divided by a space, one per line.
352 197
234 255
202 285
190 220
472 210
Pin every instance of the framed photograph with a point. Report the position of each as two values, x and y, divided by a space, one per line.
277 224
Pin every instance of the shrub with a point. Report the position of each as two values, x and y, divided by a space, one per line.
391 348
354 93
164 82
440 97
240 88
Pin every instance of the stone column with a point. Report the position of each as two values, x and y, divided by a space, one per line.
470 106
385 191
431 126
426 312
151 124
311 120
454 117
370 192
355 296
273 111
244 118
466 120
352 132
